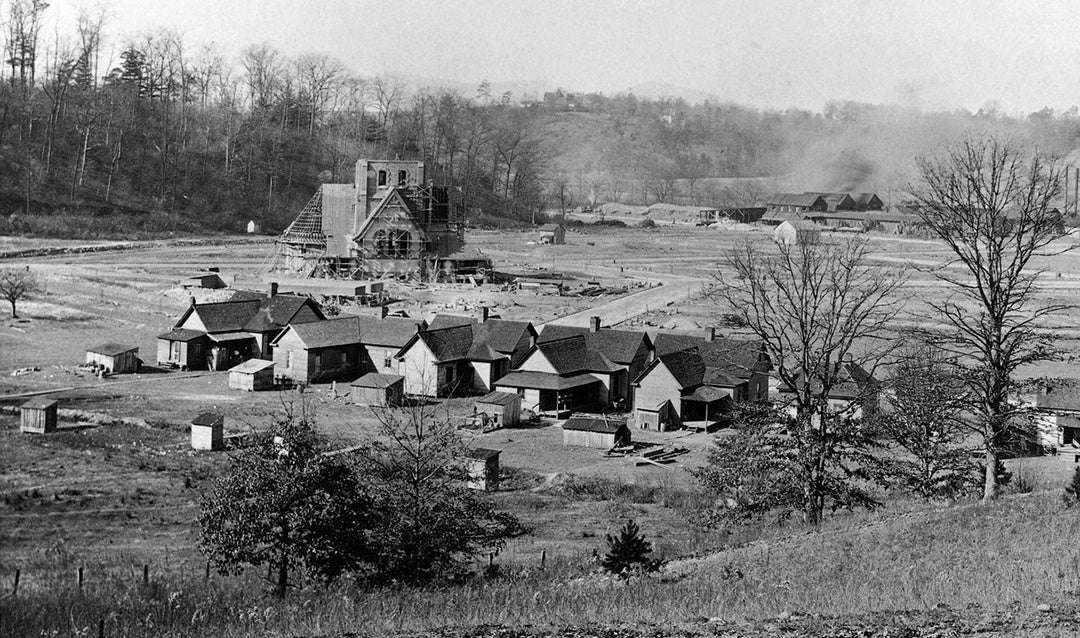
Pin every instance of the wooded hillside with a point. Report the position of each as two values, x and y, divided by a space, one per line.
175 137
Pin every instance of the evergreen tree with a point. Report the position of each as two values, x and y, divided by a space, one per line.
628 551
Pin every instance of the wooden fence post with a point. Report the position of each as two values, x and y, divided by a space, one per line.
146 574
80 578
101 628
543 558
207 575
15 588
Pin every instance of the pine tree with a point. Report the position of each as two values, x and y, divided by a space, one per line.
628 551
1072 490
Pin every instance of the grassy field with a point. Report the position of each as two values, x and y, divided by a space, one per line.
113 498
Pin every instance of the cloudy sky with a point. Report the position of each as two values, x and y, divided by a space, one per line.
768 53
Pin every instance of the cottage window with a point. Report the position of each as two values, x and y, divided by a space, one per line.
382 178
288 359
402 178
388 360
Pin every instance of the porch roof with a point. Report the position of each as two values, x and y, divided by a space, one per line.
545 381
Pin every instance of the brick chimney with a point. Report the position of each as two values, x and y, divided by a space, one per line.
710 334
192 300
484 312
273 288
383 311
594 324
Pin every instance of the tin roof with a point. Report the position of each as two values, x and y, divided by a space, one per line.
111 349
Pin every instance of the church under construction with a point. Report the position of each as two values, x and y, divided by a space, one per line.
388 223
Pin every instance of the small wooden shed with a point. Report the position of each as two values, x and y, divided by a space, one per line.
499 409
378 389
597 431
552 234
115 358
797 232
252 375
38 416
483 469
208 431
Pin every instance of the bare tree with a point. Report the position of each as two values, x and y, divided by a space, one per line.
16 285
991 203
263 70
821 312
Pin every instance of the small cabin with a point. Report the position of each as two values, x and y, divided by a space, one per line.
499 409
379 390
552 234
797 232
38 416
483 469
208 431
252 375
595 431
114 358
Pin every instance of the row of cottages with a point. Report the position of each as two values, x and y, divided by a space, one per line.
693 381
219 335
456 355
342 348
577 368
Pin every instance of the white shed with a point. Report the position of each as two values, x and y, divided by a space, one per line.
795 232
252 375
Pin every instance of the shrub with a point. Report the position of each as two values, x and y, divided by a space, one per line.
1072 490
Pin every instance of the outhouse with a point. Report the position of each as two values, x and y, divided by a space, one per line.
252 375
208 431
38 416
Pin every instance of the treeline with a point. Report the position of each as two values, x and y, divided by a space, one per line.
176 137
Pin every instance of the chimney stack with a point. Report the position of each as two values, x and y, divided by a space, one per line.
710 334
273 288
383 311
192 300
484 312
594 324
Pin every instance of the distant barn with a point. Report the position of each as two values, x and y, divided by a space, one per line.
596 431
114 358
252 375
38 416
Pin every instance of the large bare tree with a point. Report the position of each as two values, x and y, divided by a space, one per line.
992 203
823 315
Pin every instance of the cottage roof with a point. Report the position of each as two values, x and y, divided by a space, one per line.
498 398
339 331
836 201
251 366
224 316
223 337
1059 394
620 346
377 380
585 423
112 349
181 334
723 363
668 342
550 228
482 453
209 418
853 382
503 335
39 404
706 394
392 332
545 381
573 354
449 344
440 321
